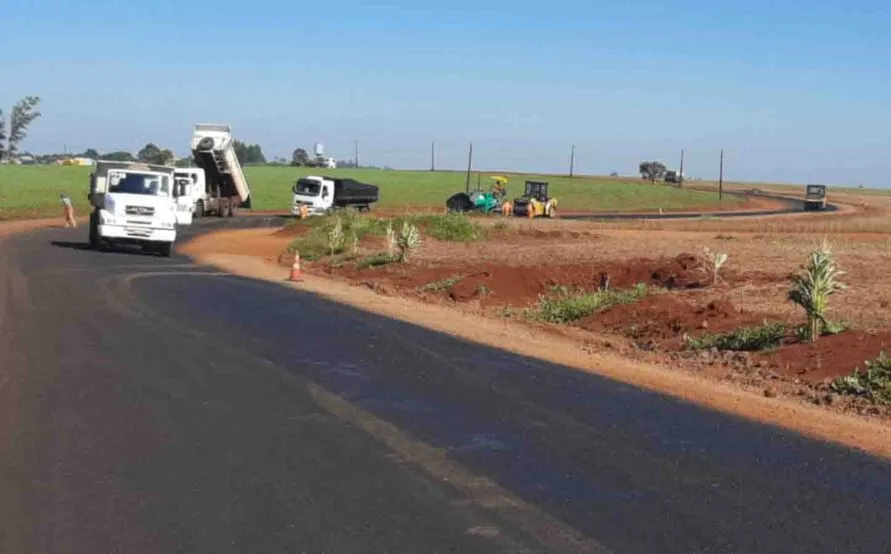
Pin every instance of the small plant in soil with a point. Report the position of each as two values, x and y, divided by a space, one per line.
443 285
409 239
377 260
562 305
814 286
392 243
874 382
744 339
483 290
712 262
336 237
831 328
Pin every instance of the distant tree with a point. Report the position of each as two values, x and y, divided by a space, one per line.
248 153
300 158
614 174
652 171
120 156
346 163
2 137
23 114
280 160
154 155
90 153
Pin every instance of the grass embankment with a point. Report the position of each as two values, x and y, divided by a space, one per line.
33 191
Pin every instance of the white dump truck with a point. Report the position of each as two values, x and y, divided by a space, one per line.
226 188
133 203
321 195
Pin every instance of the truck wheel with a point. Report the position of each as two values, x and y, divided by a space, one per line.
165 249
233 209
199 209
223 210
94 231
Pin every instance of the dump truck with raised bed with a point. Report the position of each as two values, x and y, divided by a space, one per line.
133 203
226 186
815 197
321 195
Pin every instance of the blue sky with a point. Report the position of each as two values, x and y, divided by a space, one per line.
793 91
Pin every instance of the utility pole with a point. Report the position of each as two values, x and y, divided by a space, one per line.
681 176
721 179
356 156
469 164
572 161
432 156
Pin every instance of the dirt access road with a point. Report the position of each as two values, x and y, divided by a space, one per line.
153 405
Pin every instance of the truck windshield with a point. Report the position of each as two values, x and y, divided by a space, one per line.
307 188
139 183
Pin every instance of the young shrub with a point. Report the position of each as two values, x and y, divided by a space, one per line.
352 244
392 243
336 237
812 288
409 239
712 262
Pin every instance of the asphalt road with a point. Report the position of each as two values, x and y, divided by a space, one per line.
149 405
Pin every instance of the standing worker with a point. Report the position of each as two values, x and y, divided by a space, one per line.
69 210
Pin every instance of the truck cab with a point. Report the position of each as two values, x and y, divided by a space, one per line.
191 194
133 203
316 193
815 197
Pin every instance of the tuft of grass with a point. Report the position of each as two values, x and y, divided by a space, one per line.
747 339
443 285
483 290
376 260
874 382
562 305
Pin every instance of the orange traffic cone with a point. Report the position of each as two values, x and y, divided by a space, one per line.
295 269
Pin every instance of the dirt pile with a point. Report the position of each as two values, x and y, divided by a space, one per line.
507 285
665 319
829 357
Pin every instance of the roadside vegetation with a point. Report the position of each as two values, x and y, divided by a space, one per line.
744 339
812 289
563 305
873 382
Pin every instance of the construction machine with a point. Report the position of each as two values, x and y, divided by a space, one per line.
535 202
479 200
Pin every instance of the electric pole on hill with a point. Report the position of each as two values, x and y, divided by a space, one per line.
356 156
469 164
432 156
721 179
572 161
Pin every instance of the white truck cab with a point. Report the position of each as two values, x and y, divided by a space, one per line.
133 203
316 193
191 194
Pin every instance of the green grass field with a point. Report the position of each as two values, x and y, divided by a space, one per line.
33 191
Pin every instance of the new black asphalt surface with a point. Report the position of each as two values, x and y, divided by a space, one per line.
150 405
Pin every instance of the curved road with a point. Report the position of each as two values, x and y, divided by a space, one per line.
149 405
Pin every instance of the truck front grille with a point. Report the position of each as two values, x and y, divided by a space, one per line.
139 210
